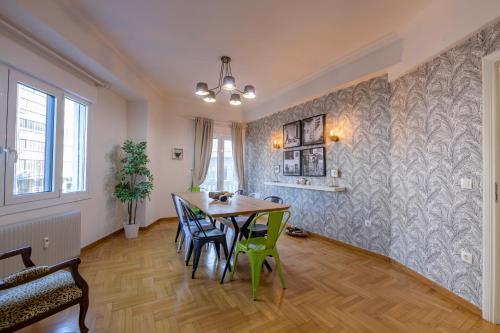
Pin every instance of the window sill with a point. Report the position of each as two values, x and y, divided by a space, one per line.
40 204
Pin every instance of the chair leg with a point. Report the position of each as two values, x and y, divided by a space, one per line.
198 247
217 249
178 232
234 264
280 270
84 306
224 247
256 261
181 242
190 252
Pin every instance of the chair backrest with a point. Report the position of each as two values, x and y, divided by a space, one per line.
191 218
178 208
274 199
276 222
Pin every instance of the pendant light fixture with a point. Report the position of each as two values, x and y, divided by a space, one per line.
226 82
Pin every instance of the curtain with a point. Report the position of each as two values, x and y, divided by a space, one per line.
237 140
203 137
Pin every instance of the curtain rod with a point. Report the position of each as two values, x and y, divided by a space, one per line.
44 48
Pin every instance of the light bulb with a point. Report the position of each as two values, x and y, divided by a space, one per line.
235 99
210 98
249 92
229 83
201 89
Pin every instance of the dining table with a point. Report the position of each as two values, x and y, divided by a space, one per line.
237 205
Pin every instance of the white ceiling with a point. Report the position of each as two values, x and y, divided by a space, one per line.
274 44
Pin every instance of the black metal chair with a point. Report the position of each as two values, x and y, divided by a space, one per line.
186 237
274 199
200 237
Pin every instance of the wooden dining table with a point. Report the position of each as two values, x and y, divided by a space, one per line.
238 205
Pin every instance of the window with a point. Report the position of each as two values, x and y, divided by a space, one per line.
221 172
74 151
35 123
45 134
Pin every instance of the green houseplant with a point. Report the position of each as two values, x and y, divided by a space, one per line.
136 182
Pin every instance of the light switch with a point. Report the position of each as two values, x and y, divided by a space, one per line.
334 173
466 183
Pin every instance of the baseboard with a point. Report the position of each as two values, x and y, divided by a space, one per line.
402 268
438 288
163 219
105 238
351 247
101 240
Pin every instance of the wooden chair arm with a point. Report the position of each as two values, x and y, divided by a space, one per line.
72 264
25 253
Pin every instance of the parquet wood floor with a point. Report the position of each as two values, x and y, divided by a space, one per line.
142 285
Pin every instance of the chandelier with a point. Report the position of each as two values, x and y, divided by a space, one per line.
227 82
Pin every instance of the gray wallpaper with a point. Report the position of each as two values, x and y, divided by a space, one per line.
404 148
362 155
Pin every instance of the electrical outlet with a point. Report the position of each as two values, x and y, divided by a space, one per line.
466 183
46 242
466 257
368 223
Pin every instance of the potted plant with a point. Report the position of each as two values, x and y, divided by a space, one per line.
136 182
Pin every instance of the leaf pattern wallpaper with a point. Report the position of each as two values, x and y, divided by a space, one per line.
362 155
404 147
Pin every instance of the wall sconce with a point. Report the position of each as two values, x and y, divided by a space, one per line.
276 144
333 135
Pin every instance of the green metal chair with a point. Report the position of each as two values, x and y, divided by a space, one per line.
258 248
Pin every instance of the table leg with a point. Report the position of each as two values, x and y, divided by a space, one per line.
231 250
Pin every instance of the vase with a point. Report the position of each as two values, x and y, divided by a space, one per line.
131 230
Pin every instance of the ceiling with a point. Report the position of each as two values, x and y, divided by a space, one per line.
274 44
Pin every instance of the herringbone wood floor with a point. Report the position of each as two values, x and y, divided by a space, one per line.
142 285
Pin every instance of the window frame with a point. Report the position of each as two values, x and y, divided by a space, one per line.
16 77
4 85
220 159
8 115
86 155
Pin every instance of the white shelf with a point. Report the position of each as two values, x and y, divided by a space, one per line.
308 187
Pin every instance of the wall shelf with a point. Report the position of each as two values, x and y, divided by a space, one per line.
308 187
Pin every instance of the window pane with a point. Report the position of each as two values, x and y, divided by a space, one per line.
34 141
230 179
210 183
74 151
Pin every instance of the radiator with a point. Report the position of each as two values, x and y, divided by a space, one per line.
62 231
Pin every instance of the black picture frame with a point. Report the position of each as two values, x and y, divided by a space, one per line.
319 134
295 126
311 164
297 167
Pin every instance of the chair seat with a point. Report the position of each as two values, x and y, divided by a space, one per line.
209 233
19 304
257 244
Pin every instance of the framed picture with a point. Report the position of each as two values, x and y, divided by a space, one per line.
177 153
292 134
314 162
291 163
313 130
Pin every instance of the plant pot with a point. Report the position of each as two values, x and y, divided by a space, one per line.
131 230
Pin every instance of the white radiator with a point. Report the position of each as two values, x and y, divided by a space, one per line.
62 231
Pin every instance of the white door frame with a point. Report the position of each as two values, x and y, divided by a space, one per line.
491 176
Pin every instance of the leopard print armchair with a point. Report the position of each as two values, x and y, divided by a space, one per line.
38 292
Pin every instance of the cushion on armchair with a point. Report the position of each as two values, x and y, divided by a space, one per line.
23 276
20 303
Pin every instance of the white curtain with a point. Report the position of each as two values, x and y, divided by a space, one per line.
237 139
203 138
